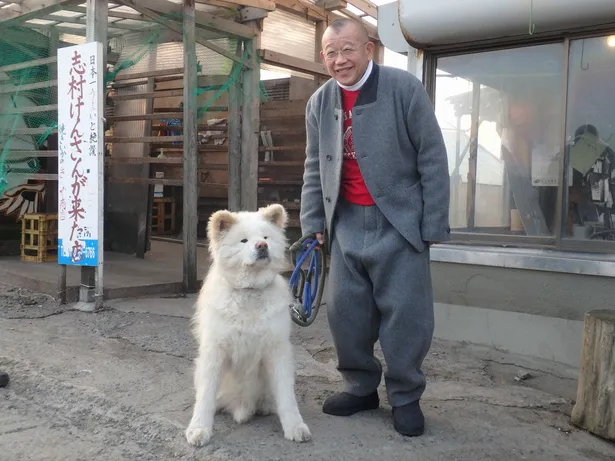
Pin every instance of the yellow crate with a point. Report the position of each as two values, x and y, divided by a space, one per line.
39 237
163 216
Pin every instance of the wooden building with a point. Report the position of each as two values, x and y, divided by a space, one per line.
190 125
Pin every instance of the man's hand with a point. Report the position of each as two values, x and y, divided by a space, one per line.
320 237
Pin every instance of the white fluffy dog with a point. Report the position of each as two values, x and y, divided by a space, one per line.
242 324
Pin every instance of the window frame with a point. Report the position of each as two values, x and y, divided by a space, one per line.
558 241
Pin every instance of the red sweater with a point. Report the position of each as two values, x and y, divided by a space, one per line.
353 187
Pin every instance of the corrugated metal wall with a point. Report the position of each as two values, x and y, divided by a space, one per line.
170 55
288 34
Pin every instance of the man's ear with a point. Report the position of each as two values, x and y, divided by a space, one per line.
371 48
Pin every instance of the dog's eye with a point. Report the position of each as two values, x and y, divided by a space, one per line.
265 238
244 241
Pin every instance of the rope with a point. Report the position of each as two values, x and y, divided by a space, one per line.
307 287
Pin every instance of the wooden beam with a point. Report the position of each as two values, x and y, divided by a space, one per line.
191 158
144 216
315 13
31 9
144 139
92 278
234 141
81 21
140 117
267 5
594 409
28 64
250 126
147 160
29 110
171 25
331 5
320 27
112 13
148 95
41 176
303 9
369 8
55 29
203 19
155 181
29 87
293 63
152 73
21 154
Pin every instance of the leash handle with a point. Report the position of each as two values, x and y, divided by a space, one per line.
306 286
299 243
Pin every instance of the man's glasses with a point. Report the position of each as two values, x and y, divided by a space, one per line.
331 55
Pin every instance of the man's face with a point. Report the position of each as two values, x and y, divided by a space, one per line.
349 68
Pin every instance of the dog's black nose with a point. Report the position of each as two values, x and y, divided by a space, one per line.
262 252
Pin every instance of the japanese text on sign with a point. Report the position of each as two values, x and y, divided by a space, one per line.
78 151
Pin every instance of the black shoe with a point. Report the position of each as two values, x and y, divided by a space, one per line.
344 404
408 419
4 379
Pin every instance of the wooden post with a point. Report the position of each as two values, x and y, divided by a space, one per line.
250 124
191 189
321 26
91 289
234 137
62 284
54 40
595 406
145 216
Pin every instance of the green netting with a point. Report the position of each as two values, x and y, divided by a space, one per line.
28 96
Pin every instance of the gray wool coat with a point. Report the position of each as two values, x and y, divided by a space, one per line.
400 151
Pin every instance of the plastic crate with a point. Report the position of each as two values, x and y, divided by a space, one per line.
39 237
163 216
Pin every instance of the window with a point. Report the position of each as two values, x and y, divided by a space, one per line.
501 114
590 140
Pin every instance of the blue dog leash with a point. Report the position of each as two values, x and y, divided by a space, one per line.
307 287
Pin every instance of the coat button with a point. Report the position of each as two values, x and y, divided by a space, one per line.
328 199
335 117
329 157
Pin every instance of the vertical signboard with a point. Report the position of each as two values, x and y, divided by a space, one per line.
80 154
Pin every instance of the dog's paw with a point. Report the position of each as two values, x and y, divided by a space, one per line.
298 433
198 436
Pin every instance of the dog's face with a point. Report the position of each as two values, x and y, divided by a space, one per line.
248 239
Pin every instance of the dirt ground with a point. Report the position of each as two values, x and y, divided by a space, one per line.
117 385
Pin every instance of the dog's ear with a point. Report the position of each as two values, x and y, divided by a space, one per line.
219 222
276 214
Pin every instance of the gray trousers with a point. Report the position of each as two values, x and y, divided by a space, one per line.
380 288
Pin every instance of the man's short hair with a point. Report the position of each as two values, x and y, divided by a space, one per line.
340 23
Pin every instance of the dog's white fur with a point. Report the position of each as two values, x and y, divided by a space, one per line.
242 325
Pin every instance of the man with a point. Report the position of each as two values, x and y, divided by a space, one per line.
376 184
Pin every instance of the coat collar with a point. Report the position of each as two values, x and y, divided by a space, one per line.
368 92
